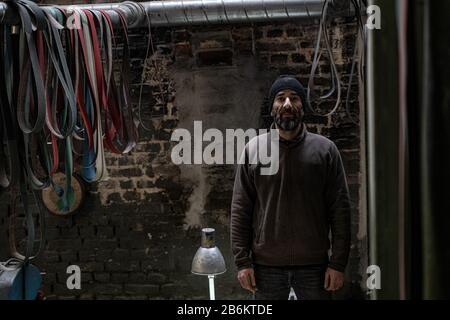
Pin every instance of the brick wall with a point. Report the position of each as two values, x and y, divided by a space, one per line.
137 233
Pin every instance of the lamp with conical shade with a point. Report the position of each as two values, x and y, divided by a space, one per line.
208 261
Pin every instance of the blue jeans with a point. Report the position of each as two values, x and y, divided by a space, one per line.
274 283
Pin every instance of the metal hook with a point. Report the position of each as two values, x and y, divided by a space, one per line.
225 10
204 12
165 12
245 10
307 10
265 9
185 13
285 9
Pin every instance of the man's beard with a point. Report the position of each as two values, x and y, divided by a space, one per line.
288 123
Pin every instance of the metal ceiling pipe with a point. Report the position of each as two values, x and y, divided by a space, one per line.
230 11
198 12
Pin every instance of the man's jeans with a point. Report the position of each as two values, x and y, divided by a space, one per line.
274 283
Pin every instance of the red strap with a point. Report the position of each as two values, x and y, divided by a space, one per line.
80 92
86 63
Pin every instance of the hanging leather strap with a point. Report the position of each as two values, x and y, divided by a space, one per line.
124 135
63 77
22 94
62 82
60 91
9 156
92 100
31 81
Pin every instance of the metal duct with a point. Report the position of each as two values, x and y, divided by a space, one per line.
199 12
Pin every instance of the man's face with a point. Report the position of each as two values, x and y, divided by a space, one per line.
287 110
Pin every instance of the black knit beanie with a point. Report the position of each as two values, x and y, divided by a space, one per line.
284 82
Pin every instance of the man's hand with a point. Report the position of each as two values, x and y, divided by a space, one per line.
334 280
247 279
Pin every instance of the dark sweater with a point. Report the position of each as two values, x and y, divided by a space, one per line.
285 219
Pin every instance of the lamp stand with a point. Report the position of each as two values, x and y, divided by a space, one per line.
212 295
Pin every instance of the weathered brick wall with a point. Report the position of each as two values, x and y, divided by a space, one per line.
137 233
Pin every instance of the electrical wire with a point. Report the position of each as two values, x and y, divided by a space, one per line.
336 85
354 60
358 15
335 81
362 32
350 82
149 46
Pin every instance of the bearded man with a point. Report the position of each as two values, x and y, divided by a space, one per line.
291 230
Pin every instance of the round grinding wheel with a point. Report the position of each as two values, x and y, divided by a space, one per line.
50 198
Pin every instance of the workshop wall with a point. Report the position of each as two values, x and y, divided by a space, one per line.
137 233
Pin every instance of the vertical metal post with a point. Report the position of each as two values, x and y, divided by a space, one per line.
436 154
382 150
370 136
402 34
